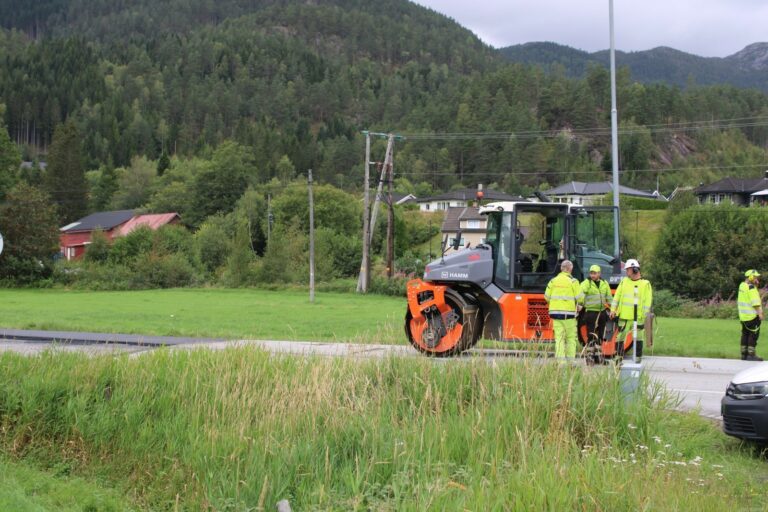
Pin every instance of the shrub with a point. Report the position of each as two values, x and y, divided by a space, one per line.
704 251
126 249
210 243
162 271
384 286
666 303
98 250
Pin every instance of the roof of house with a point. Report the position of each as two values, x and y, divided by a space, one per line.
595 188
455 214
99 220
737 185
153 221
470 194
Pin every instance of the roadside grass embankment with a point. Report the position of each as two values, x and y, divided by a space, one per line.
285 315
24 488
240 429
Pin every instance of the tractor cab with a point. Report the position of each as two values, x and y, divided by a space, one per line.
529 240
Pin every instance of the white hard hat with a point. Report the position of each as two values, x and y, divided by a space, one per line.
632 263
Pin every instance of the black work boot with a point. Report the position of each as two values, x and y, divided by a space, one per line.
744 353
751 356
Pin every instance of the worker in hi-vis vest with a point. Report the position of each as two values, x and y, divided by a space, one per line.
565 300
597 303
750 314
623 305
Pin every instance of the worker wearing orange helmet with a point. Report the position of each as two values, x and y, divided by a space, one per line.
623 305
750 314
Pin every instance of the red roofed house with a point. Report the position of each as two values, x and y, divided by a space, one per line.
76 236
152 221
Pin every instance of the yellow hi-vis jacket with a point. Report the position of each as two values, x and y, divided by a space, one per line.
596 294
624 299
563 294
748 301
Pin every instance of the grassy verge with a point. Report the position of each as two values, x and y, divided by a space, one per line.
240 430
285 315
24 488
236 314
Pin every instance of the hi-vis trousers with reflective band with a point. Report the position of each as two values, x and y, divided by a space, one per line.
565 337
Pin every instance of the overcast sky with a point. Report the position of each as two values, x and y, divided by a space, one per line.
711 28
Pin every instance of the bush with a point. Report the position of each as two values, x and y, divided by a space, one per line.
162 271
703 251
210 243
98 249
126 249
666 303
384 286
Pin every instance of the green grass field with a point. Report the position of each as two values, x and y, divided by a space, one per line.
285 315
240 429
24 488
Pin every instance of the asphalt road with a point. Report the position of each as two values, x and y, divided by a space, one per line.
699 382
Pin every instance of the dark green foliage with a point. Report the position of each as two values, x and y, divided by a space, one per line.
238 271
30 232
98 250
703 251
211 243
64 179
286 258
217 187
163 163
104 188
9 161
126 249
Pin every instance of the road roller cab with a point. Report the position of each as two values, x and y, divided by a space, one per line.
495 290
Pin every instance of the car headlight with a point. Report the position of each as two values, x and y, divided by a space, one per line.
748 391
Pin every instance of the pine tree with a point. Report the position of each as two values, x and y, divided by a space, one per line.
29 227
9 161
65 178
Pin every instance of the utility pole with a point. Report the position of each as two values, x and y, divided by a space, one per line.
365 267
390 225
614 140
384 168
377 200
311 240
270 218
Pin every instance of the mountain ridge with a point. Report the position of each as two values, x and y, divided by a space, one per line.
747 68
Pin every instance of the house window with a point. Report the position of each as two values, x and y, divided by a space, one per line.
473 224
426 206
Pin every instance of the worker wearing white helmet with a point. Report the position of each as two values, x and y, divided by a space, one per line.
750 314
623 305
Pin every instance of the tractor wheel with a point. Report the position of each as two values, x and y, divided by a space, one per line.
464 325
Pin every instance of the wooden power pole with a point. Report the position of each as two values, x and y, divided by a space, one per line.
365 267
377 200
390 225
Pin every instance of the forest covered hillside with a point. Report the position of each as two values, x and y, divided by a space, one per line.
296 82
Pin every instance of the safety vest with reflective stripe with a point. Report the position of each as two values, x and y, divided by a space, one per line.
624 299
748 301
596 294
563 294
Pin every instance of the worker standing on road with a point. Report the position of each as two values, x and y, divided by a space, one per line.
597 299
565 300
623 305
750 314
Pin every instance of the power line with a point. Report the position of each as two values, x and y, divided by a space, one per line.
746 122
596 171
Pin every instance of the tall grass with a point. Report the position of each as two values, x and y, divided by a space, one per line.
240 430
